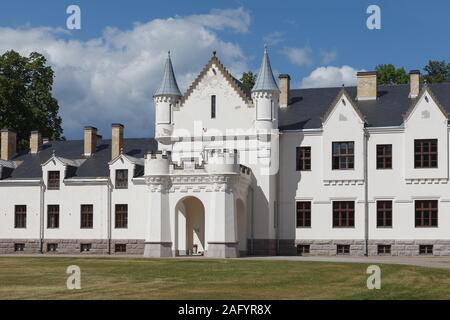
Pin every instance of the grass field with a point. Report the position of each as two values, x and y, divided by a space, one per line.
128 278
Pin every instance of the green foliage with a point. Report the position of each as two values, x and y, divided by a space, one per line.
436 72
389 74
248 79
26 101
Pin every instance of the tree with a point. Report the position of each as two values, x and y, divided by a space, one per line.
248 79
436 72
26 101
389 74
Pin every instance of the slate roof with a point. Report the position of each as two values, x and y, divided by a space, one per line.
265 80
168 84
307 106
95 166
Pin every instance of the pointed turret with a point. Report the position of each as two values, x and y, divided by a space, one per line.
266 95
165 98
265 80
168 86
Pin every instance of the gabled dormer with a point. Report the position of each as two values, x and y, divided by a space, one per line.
123 169
56 169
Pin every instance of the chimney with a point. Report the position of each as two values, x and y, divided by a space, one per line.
414 77
285 87
90 141
35 142
8 144
116 140
366 85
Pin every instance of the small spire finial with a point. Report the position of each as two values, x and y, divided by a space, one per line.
53 152
265 47
168 53
121 150
214 53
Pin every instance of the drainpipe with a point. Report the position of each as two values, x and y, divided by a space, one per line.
251 221
366 193
109 186
41 218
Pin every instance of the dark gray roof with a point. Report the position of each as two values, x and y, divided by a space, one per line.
265 80
168 86
307 106
94 166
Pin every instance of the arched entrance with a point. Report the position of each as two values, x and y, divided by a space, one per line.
190 233
241 218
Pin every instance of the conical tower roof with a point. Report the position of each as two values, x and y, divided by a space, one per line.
265 80
168 86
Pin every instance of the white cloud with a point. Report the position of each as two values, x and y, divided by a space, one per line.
274 38
112 78
330 77
328 56
299 56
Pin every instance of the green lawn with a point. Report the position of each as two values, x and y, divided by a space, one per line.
128 278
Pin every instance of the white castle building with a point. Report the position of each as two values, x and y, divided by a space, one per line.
356 170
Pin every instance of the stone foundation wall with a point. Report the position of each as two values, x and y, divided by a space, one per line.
72 246
262 247
398 247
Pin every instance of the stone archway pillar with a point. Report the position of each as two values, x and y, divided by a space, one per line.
158 241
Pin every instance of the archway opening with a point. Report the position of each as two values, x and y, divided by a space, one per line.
190 214
241 219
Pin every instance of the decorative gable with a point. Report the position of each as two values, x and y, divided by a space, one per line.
425 106
343 108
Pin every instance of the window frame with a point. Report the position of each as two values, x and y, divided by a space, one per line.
20 216
384 207
350 212
121 222
122 182
302 160
384 252
123 245
430 210
349 157
53 213
426 156
385 156
87 214
53 183
424 249
304 212
345 249
213 106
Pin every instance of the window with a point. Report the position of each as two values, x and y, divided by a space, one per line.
303 214
20 217
121 179
85 247
303 249
53 216
343 214
19 247
303 158
384 214
53 180
426 213
383 249
384 156
52 247
343 155
87 216
121 216
120 247
213 107
426 249
343 249
425 153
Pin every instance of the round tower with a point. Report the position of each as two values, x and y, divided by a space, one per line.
165 99
266 95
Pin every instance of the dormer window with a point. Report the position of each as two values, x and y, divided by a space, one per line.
53 179
121 179
213 107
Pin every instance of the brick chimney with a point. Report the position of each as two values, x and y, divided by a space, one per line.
366 85
90 141
414 87
285 87
8 144
116 140
35 142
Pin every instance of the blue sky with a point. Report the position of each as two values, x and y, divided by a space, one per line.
303 36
